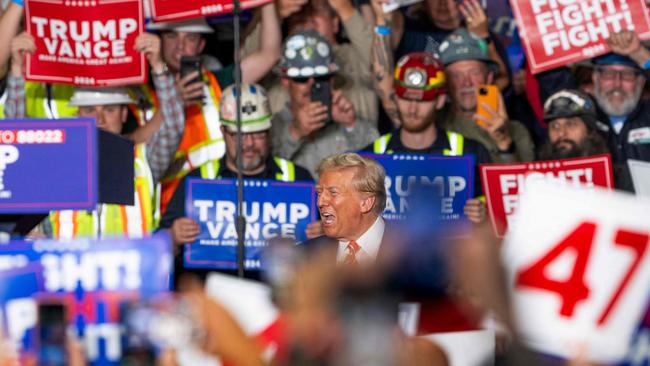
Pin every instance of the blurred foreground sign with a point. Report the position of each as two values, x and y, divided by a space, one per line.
47 165
91 279
579 261
504 183
271 209
557 33
172 10
85 42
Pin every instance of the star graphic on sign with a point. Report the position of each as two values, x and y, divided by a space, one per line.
249 108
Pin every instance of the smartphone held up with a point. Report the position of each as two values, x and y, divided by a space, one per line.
487 97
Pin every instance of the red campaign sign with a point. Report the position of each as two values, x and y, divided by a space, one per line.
85 42
558 32
504 183
172 10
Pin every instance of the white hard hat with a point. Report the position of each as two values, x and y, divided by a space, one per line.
85 96
196 25
255 109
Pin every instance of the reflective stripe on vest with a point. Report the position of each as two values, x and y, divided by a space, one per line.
3 100
380 144
201 142
456 142
287 172
38 105
202 134
116 220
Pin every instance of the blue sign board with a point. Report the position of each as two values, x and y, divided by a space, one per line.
271 208
92 279
47 165
450 179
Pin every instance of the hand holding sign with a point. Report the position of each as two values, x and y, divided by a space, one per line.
627 43
474 210
184 230
20 45
149 44
288 7
475 18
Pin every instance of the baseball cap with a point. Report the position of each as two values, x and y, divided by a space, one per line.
614 59
462 45
419 76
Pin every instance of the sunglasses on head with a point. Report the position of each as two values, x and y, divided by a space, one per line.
317 79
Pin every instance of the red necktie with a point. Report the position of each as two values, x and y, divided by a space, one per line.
353 248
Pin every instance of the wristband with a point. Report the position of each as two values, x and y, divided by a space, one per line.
383 30
20 3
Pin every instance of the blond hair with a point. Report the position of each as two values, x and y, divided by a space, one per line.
369 175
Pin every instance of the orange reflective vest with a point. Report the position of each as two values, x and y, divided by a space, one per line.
201 142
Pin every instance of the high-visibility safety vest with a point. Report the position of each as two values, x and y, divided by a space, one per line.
143 115
456 141
201 142
38 105
113 220
287 172
3 101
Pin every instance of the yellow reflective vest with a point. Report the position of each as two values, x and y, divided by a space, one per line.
38 105
456 141
287 172
112 220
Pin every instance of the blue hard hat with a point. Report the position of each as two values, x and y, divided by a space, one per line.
614 59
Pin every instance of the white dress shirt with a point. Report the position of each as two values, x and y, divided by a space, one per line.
369 243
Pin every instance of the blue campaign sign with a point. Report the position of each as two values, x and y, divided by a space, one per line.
92 279
450 177
271 208
47 165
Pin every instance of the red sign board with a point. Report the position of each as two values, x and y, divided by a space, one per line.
172 10
504 183
556 32
85 42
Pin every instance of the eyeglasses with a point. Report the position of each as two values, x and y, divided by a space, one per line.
625 75
254 135
316 79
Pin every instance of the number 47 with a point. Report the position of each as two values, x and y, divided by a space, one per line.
574 290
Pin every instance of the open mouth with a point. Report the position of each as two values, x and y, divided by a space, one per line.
328 218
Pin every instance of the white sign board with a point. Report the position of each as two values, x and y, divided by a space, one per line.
578 266
640 172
